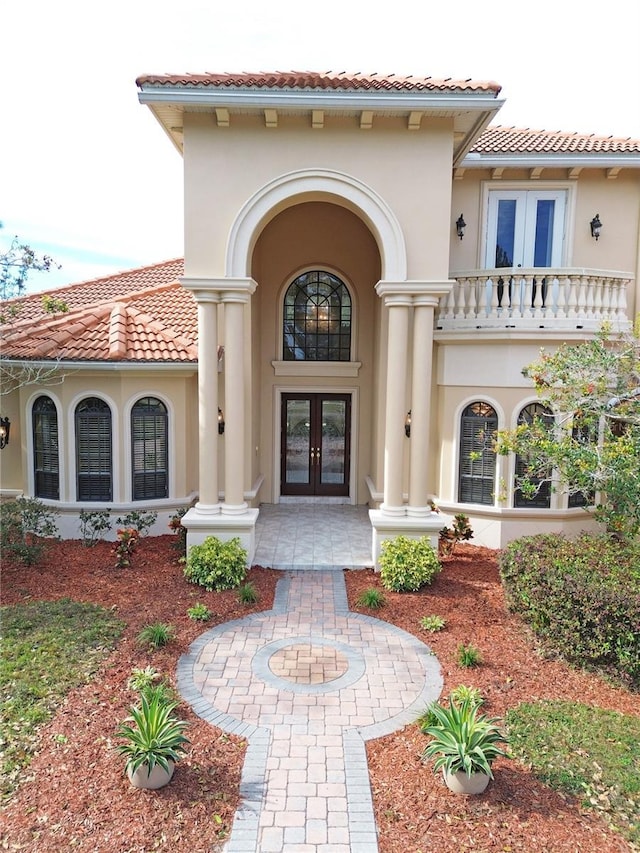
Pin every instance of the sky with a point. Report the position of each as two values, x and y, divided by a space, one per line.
88 176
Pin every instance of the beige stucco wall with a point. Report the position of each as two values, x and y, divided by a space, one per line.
217 161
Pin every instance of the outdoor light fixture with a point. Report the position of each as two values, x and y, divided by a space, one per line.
5 426
596 226
407 424
460 226
220 421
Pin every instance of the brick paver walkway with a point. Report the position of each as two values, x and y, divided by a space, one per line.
306 684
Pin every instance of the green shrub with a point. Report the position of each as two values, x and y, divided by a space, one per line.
199 612
156 635
217 565
432 623
247 594
582 598
25 524
142 522
93 523
371 598
407 564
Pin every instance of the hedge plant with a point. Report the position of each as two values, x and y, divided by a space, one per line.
407 564
217 565
582 598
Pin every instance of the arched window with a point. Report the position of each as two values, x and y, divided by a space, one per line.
477 466
149 450
93 450
317 319
46 471
534 412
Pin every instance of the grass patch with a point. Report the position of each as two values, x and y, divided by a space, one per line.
48 647
584 751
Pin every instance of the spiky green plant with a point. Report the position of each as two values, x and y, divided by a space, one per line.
463 740
156 736
156 635
247 593
371 598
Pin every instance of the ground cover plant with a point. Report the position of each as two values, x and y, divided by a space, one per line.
48 648
73 797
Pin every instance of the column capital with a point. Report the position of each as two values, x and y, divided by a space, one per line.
414 292
213 289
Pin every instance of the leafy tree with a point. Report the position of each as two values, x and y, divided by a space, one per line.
16 263
592 446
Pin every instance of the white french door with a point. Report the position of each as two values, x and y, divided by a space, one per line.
525 228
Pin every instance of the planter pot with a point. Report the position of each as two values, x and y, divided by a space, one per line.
460 783
158 778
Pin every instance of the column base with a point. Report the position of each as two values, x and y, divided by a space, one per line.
385 526
224 527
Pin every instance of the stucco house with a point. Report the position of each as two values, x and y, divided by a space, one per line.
369 263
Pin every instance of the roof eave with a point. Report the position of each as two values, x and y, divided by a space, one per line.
526 160
250 98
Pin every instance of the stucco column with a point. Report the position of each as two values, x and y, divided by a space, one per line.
208 403
421 404
234 408
398 305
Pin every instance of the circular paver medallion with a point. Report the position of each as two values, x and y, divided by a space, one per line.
304 663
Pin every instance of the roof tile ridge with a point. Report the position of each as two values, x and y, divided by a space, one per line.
162 329
118 337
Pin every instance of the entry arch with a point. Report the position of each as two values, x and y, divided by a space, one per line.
316 185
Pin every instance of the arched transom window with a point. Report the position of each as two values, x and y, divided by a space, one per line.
149 449
93 450
46 469
317 319
477 468
539 492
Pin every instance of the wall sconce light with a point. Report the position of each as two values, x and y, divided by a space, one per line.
460 226
596 226
407 424
5 426
220 421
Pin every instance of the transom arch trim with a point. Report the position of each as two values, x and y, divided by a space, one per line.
313 185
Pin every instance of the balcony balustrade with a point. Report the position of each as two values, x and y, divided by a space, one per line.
523 299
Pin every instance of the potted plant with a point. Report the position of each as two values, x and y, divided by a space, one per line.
154 742
464 744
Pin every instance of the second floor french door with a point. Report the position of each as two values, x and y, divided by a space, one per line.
525 228
315 445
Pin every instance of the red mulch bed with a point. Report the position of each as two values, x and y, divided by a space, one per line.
74 795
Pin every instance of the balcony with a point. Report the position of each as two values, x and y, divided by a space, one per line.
558 299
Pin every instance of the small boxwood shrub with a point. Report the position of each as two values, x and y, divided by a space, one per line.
582 598
217 565
407 564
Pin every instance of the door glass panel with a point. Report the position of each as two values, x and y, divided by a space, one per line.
545 211
332 457
505 236
298 441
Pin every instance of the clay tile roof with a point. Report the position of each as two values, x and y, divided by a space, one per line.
318 80
139 315
513 140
